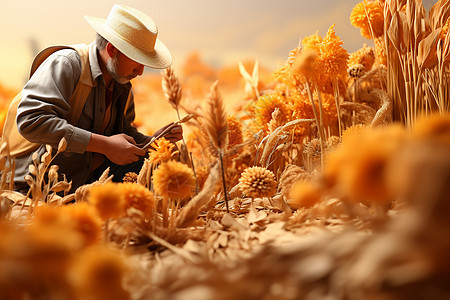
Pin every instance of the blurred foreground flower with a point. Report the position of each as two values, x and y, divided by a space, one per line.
304 194
98 273
174 180
358 167
108 200
138 197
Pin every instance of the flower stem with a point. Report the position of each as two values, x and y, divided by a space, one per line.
223 181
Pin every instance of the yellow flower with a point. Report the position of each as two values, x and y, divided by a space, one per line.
369 17
364 56
130 177
266 105
47 251
354 132
258 182
312 42
304 194
331 63
163 151
98 274
79 217
138 197
234 131
436 127
358 167
107 200
84 219
174 180
287 75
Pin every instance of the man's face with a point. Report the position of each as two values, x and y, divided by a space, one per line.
123 69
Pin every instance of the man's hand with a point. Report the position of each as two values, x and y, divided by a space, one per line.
173 135
121 149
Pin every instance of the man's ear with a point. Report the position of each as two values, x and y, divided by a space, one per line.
110 49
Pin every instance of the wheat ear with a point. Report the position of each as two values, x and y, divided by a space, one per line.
171 87
217 128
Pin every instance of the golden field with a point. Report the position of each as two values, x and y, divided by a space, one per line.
328 178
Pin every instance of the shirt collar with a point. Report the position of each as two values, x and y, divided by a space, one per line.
95 67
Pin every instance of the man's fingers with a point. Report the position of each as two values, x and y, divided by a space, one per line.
129 139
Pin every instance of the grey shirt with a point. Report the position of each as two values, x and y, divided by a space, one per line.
42 113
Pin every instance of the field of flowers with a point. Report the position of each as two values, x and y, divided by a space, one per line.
328 178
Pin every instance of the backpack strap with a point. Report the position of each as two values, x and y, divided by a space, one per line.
17 144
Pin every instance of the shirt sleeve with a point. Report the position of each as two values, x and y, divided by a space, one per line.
42 112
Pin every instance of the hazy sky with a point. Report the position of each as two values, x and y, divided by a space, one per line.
224 32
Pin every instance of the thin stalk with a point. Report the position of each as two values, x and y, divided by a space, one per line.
190 155
164 208
338 108
223 181
105 231
322 140
319 127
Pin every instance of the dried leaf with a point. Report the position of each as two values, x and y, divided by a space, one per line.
255 216
190 212
427 57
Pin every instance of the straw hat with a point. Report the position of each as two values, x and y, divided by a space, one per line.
134 34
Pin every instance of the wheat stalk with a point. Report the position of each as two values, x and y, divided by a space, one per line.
217 127
172 91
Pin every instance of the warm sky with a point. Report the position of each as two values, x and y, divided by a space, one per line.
223 31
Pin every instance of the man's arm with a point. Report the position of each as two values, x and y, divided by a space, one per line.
45 103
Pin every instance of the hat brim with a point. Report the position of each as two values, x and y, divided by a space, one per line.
159 58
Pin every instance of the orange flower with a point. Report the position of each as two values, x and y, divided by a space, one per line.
163 151
331 63
304 194
358 166
312 42
266 105
234 131
98 273
174 180
435 127
369 17
364 56
107 200
138 197
287 75
258 182
79 217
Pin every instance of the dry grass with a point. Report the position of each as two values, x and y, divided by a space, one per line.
354 206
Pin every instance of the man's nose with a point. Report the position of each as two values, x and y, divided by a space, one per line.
139 70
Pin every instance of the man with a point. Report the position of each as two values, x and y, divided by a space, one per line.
83 93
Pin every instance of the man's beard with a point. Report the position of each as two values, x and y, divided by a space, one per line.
111 66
